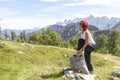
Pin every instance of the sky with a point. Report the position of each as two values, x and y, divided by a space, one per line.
29 14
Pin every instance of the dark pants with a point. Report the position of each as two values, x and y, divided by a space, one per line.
81 43
87 55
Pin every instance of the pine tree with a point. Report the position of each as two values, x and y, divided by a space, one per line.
101 41
114 42
23 36
13 35
6 34
0 32
18 39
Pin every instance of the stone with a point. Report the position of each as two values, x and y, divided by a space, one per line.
116 67
26 44
69 74
77 63
114 78
66 70
116 73
85 76
21 52
77 70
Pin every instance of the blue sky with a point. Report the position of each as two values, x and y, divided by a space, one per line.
28 14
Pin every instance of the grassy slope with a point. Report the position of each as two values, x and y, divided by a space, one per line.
45 62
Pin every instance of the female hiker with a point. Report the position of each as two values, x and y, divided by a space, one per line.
86 43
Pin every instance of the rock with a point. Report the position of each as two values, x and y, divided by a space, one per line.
65 55
77 63
26 44
114 78
116 73
21 52
78 70
116 67
22 44
69 74
64 77
2 44
66 70
85 76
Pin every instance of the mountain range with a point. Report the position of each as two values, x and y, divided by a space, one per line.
117 26
69 28
101 23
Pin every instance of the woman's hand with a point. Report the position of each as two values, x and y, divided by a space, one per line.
79 51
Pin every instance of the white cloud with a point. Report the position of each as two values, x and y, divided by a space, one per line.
51 9
52 14
6 12
49 0
26 23
109 8
94 2
7 0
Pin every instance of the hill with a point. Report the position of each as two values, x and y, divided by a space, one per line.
70 30
22 61
99 32
117 26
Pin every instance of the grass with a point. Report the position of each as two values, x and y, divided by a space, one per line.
39 62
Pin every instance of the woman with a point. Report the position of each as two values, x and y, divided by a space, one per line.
86 43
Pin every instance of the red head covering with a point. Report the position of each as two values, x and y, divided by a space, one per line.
84 24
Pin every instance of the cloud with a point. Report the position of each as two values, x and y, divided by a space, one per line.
26 23
7 0
42 14
49 0
50 9
7 12
94 2
109 8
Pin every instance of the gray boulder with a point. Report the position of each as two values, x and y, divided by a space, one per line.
77 63
116 73
114 78
71 75
77 70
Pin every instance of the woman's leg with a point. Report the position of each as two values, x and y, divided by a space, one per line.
81 42
87 56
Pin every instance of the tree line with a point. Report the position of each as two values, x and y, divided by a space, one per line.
22 37
107 44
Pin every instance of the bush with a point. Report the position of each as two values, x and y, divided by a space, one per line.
65 44
101 42
74 42
46 37
114 42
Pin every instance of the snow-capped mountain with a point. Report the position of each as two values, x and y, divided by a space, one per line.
101 23
117 26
